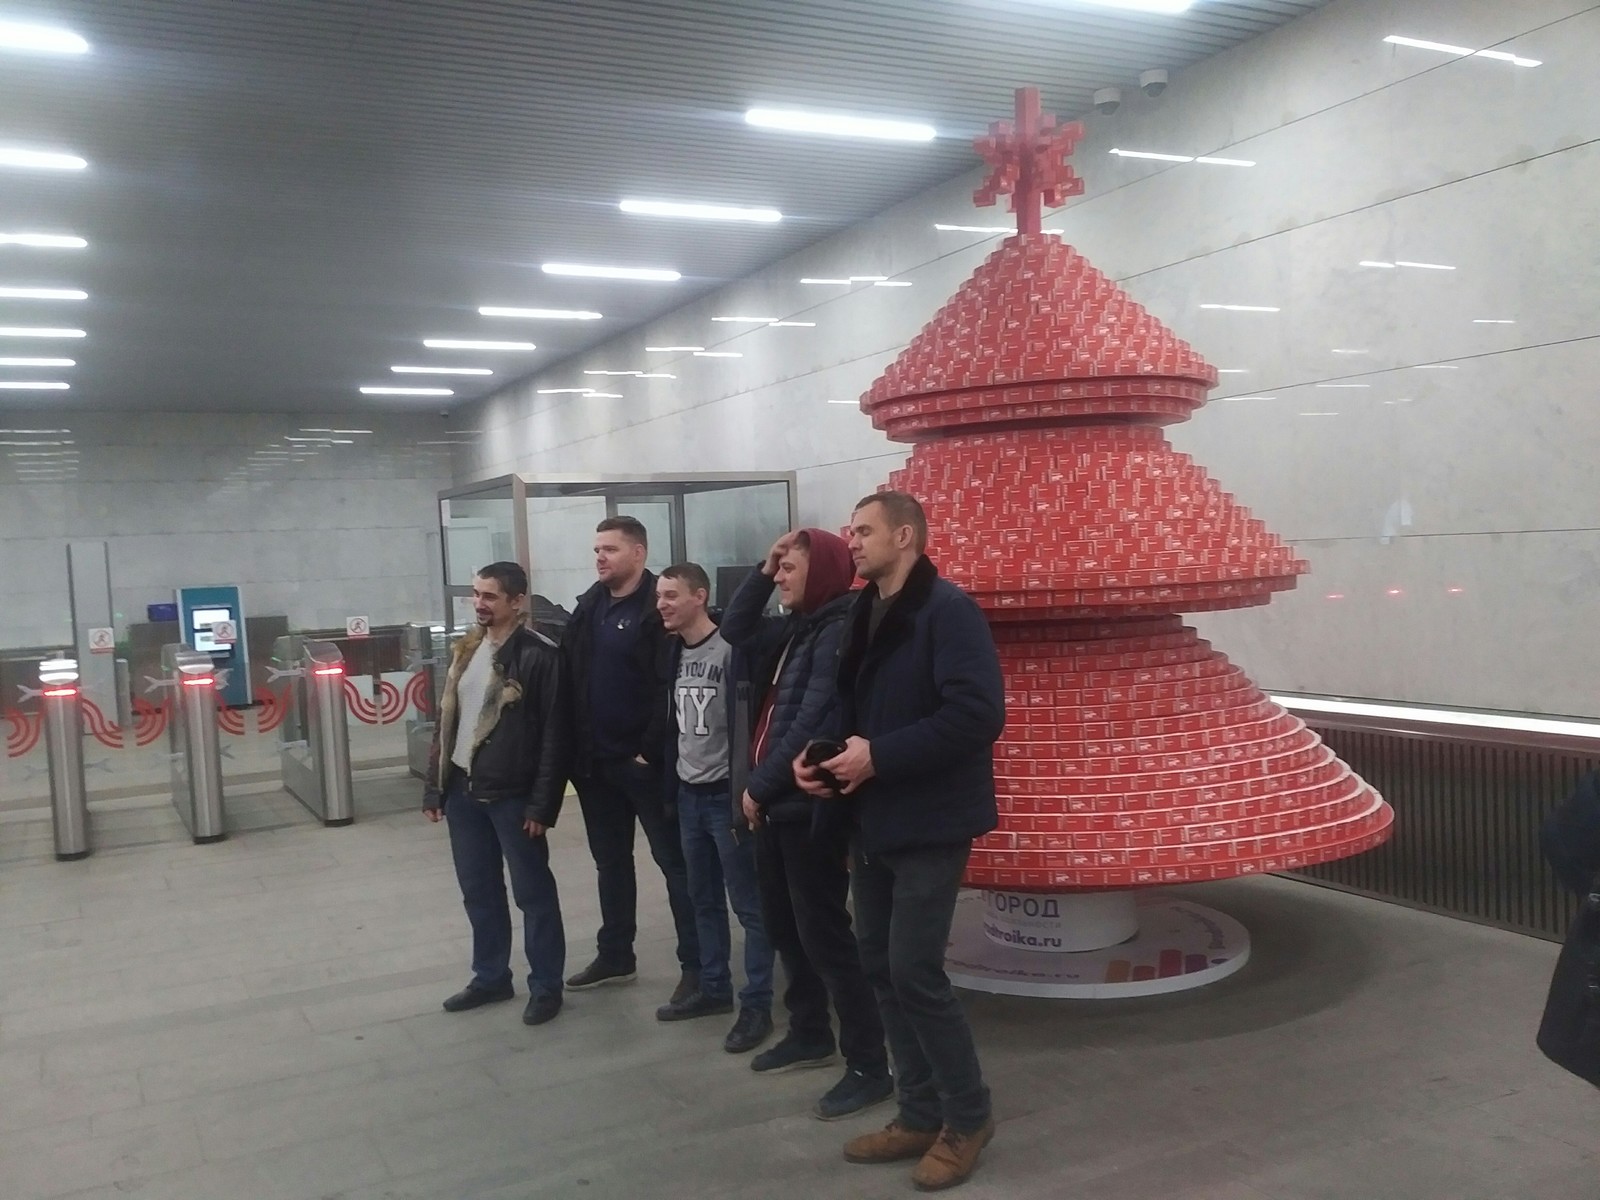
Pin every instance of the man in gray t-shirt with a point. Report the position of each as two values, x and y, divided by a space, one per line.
720 858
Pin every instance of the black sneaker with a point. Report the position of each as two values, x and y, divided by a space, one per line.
856 1092
473 996
688 985
542 1007
696 1004
791 1055
753 1027
600 971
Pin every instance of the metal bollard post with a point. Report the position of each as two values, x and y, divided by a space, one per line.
63 735
330 735
197 765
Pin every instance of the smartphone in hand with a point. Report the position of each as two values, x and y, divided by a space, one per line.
819 751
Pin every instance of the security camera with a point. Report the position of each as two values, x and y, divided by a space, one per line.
1108 100
1153 83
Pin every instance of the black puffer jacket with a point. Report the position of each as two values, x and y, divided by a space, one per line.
806 684
521 741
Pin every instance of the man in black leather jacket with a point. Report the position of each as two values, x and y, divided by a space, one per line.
497 774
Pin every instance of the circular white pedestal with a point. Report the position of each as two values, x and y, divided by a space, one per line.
999 944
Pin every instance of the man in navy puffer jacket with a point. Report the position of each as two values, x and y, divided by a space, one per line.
801 862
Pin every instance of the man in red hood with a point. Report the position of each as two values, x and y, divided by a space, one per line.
801 861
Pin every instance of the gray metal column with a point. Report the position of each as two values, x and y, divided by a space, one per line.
63 741
329 721
196 744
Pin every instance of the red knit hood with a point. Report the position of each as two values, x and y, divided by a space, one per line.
831 573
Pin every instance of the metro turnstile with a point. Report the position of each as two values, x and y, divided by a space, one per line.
63 740
426 649
314 739
194 743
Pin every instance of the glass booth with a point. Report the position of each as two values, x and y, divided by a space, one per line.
546 522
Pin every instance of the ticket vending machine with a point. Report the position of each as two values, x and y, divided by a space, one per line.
211 620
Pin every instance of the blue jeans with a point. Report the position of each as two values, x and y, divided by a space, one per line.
719 862
482 836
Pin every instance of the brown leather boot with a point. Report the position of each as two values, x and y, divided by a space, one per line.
951 1159
893 1143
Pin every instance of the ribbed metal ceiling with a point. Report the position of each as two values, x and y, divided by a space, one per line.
285 196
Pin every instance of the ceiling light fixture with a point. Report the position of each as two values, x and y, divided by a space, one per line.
43 241
794 120
41 293
40 39
565 391
25 385
1212 160
794 324
1336 351
718 354
1233 370
868 278
37 362
1493 321
539 314
1369 262
672 349
1344 385
1259 308
602 396
613 372
405 391
857 403
1517 60
474 344
942 228
1166 7
748 320
39 331
832 282
1436 367
892 283
1422 266
700 212
1151 154
655 375
587 271
441 370
42 160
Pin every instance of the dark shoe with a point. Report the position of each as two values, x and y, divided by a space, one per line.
688 985
541 1008
951 1159
791 1055
753 1027
854 1093
473 996
893 1143
696 1004
600 971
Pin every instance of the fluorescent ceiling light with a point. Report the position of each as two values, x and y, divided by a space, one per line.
40 39
46 241
1369 262
718 354
565 391
794 324
602 395
699 212
405 391
14 385
1344 385
892 283
41 293
748 320
441 370
308 429
1242 307
38 362
868 278
473 344
1492 321
613 372
656 375
672 349
1349 351
833 282
1233 370
1250 397
647 274
1422 266
539 314
794 120
43 160
1212 160
39 331
953 229
1176 158
1319 414
857 403
1462 51
1168 7
1436 367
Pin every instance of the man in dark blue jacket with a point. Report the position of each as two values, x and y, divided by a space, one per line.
801 861
921 704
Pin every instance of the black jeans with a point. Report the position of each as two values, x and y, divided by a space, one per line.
905 901
804 884
619 792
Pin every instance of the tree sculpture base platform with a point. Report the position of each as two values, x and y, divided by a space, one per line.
1090 945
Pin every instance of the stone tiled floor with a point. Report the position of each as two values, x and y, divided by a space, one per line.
259 1020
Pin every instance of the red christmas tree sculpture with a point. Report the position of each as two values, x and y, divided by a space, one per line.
1134 754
